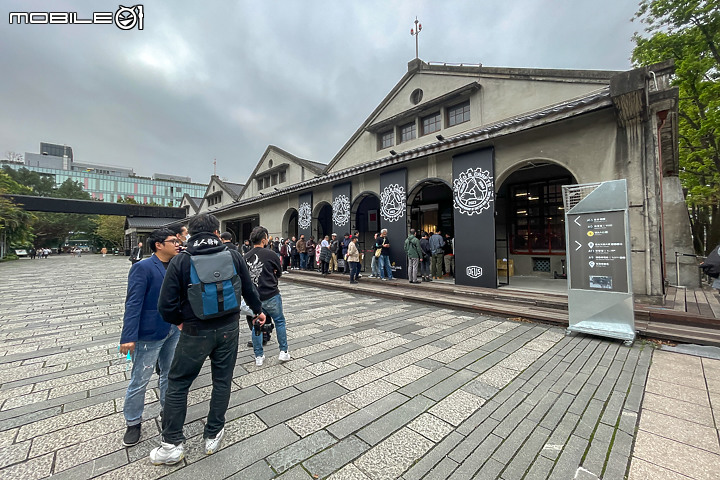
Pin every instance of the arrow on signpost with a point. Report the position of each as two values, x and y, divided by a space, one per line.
576 221
579 245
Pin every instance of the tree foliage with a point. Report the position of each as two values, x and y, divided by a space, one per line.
110 230
14 221
689 32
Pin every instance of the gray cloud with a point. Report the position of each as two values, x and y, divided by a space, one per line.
224 80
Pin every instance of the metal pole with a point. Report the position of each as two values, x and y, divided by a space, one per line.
677 269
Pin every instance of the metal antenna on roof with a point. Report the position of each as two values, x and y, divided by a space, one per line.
415 32
215 166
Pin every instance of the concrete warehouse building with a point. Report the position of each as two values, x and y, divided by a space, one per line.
482 153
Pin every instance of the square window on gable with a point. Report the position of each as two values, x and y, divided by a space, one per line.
408 132
431 123
386 139
459 114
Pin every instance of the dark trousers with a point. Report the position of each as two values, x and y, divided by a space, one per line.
296 261
354 271
285 263
194 346
324 266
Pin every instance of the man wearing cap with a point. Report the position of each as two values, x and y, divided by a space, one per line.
334 248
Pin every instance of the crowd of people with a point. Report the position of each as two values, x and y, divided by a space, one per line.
184 303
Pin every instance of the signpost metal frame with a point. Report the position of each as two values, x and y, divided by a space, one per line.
603 304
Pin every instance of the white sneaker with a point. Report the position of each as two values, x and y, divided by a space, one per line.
259 360
212 445
167 454
284 357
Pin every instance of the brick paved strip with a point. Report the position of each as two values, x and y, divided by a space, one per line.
394 420
333 458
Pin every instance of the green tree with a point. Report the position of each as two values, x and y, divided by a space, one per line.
39 185
689 32
110 230
14 221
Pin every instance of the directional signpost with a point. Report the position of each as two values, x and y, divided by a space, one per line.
600 299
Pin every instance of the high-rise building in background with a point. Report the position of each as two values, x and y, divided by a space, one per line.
108 183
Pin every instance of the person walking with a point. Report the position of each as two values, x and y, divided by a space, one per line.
145 335
216 337
427 256
414 254
265 272
436 247
353 258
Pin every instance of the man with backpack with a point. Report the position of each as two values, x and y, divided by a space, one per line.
265 270
201 294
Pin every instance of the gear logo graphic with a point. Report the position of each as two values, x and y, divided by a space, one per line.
392 202
473 191
304 215
341 210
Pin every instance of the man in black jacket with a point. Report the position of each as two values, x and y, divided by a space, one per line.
216 338
265 269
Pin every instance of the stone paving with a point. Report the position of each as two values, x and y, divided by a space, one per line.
376 390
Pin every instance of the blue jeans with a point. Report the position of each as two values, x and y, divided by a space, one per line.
374 266
354 271
194 346
273 307
385 267
144 358
303 260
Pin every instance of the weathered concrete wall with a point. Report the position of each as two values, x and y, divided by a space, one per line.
678 237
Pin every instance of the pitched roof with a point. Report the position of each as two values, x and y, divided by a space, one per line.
233 189
601 77
315 167
591 102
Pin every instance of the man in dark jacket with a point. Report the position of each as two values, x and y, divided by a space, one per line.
227 238
216 338
136 254
427 255
144 334
265 270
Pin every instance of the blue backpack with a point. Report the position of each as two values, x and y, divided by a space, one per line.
215 289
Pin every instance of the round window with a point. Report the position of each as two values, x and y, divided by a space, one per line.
270 163
416 96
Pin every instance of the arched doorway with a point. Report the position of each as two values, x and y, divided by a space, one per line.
431 207
322 220
530 224
290 223
365 212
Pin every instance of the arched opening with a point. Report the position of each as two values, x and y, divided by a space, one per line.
431 207
530 226
290 223
365 212
322 220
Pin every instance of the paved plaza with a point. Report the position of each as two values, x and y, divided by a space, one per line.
376 390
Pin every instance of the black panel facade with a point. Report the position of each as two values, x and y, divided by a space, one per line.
393 214
474 218
305 206
341 195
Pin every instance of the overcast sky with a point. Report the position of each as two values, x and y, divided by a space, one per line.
223 80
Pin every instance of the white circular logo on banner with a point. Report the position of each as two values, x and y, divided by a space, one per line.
473 191
341 210
305 215
392 202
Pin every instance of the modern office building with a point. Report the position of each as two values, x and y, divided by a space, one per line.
109 183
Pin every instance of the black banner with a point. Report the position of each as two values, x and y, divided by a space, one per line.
341 209
305 215
393 215
474 218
